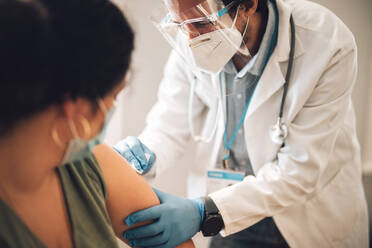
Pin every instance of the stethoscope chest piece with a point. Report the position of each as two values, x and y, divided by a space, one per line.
279 132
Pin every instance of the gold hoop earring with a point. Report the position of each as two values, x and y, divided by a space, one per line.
86 131
84 124
86 127
56 138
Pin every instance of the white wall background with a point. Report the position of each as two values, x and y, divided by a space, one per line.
151 54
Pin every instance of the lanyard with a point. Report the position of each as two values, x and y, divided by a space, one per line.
228 143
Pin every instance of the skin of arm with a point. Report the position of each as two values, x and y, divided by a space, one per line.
127 192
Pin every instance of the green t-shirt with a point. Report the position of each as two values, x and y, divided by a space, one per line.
85 192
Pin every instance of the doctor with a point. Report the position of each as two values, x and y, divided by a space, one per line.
265 89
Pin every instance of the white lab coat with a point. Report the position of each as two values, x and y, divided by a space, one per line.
312 187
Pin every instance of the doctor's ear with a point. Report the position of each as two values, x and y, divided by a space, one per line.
249 7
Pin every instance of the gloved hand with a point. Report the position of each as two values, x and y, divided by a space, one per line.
177 219
136 153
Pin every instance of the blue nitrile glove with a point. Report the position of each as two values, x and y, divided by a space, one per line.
177 219
136 153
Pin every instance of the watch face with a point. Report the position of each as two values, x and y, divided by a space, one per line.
212 225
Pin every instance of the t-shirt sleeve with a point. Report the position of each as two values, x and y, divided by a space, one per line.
87 175
94 173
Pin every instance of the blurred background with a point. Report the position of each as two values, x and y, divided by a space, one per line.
151 54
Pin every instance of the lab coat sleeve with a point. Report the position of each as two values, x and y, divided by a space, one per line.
167 132
302 166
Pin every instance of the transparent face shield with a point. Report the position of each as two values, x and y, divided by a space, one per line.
204 35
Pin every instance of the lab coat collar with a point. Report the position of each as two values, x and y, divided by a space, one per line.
272 78
248 68
283 46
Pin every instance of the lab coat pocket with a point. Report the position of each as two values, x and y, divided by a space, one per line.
335 208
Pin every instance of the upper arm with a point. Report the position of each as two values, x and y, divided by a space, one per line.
127 192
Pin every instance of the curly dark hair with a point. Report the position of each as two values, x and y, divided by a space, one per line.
53 50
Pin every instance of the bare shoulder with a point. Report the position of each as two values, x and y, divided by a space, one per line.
127 192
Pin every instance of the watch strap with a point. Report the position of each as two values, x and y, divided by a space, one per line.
209 206
213 222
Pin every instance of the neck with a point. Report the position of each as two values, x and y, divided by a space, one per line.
252 39
29 157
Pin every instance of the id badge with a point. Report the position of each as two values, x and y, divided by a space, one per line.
218 179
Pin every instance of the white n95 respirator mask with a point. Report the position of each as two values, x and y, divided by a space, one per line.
212 51
204 35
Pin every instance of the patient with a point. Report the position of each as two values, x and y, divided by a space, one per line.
62 64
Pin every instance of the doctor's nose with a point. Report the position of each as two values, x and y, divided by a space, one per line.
193 35
191 31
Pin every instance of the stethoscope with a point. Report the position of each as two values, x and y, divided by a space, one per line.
279 131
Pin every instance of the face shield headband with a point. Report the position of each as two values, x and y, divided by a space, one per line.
204 35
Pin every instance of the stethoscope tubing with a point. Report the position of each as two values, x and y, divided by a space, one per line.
280 123
290 67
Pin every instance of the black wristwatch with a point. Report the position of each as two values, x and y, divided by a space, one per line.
213 222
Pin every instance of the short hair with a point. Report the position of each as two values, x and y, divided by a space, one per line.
53 50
